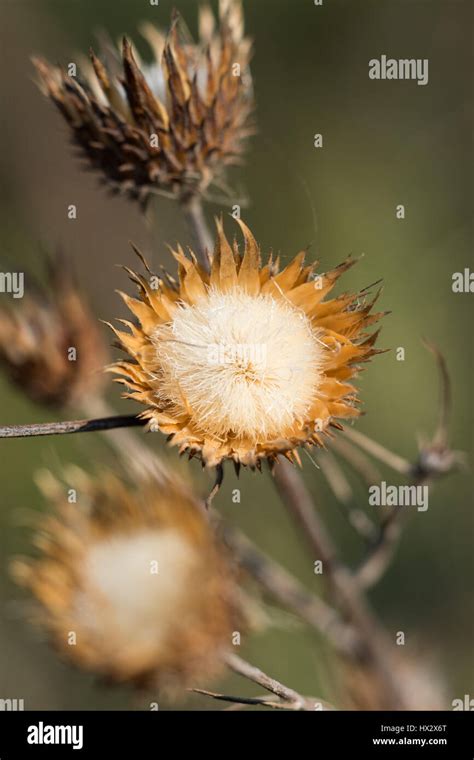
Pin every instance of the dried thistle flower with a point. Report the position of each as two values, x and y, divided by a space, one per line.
51 346
130 581
246 362
172 126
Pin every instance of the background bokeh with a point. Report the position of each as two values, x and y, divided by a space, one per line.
385 143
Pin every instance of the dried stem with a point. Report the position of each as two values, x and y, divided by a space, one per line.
440 438
374 565
285 589
244 701
71 426
357 459
377 647
132 449
394 461
239 702
435 459
289 697
340 486
195 218
243 668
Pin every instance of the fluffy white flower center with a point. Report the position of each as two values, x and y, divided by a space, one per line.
247 366
134 587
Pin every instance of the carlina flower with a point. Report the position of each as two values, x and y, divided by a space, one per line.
246 362
171 126
51 346
130 582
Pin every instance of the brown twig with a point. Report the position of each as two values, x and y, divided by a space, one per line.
71 426
377 647
375 449
313 704
132 449
291 699
440 437
341 488
290 593
195 218
434 460
357 459
377 560
244 701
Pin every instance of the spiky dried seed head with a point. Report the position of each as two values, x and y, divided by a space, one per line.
244 362
51 346
172 126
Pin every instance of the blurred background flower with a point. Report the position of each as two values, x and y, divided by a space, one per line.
130 582
51 345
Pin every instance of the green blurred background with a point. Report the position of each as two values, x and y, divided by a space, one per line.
385 143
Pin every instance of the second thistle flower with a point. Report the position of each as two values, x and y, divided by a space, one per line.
131 582
171 126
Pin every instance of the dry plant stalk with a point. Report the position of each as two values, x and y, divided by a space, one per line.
211 400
